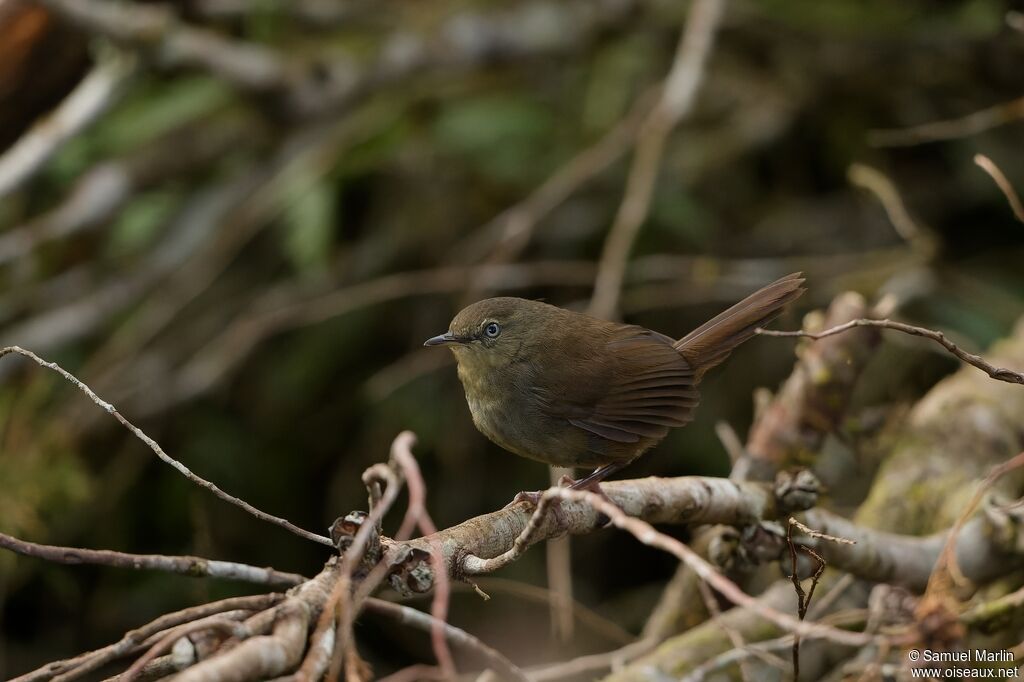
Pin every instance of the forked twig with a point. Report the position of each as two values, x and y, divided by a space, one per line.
804 598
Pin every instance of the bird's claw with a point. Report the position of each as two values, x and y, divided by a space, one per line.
533 497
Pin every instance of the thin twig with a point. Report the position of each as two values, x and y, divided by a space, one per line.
1012 198
407 615
971 124
730 441
417 515
998 373
888 195
701 672
804 598
159 452
677 98
946 566
344 607
600 625
192 566
225 626
715 612
593 663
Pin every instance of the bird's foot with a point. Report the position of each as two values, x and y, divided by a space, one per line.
533 497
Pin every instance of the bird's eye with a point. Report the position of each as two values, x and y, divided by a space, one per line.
492 330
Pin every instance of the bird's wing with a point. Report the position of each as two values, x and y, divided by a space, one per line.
646 389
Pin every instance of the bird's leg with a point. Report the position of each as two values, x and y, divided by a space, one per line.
592 481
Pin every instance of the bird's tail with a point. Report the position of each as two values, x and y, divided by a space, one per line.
712 342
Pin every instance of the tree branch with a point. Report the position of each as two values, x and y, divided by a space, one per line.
131 641
87 102
677 98
997 175
193 566
983 553
998 373
488 542
159 452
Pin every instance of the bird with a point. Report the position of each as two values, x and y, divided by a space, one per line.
571 390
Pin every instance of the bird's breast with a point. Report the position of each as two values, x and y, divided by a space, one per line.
506 409
498 413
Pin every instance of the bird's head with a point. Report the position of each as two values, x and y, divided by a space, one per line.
494 331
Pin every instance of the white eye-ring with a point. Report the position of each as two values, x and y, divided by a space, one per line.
492 330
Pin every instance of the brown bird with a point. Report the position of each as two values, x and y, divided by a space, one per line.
572 390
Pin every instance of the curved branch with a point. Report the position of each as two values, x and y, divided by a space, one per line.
159 452
998 373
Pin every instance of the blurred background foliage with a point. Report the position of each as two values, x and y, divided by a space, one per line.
256 295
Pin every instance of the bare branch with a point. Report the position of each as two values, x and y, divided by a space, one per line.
1012 198
418 516
159 452
130 642
260 657
594 663
947 569
888 195
87 102
803 599
193 566
1015 20
998 373
908 560
682 500
224 625
156 29
677 98
971 124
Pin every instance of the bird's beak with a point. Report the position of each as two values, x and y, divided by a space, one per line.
443 339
